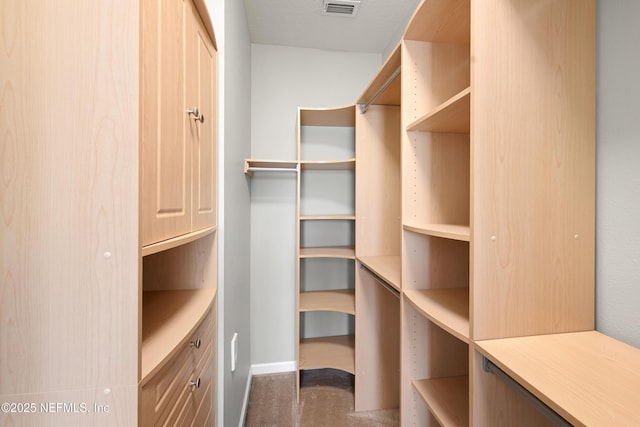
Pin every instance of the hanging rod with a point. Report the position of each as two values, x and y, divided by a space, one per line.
363 107
383 282
552 416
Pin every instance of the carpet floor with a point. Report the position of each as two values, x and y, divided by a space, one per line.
326 400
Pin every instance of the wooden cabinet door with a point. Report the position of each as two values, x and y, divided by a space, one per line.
201 77
165 199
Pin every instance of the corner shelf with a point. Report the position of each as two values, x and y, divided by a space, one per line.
327 217
328 352
452 116
447 399
327 165
447 308
342 300
168 318
328 252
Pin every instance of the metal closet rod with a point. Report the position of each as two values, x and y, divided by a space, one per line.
363 107
551 415
378 279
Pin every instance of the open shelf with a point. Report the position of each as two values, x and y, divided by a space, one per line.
343 301
447 398
447 308
341 116
328 165
327 217
328 252
168 319
388 268
253 165
443 21
384 89
176 241
452 116
328 352
447 231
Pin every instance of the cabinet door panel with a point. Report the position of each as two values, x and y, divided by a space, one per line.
166 165
201 87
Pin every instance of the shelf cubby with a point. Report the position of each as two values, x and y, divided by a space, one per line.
447 399
446 307
341 300
168 319
337 352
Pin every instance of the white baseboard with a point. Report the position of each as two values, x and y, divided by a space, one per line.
273 368
262 369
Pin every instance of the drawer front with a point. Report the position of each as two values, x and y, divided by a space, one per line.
166 394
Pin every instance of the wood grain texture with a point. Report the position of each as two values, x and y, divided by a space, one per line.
339 116
166 168
68 205
447 399
440 20
378 180
448 308
388 268
377 345
342 300
391 95
588 378
328 352
201 91
534 167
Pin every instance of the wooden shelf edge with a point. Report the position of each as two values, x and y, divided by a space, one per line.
253 165
168 320
176 241
339 300
328 165
327 217
328 252
387 267
337 352
446 231
452 116
447 399
448 308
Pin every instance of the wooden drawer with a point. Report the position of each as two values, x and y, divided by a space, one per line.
165 398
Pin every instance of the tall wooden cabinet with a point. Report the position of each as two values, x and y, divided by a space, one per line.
178 121
100 306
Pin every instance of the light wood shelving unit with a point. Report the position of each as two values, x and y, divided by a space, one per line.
378 233
317 220
481 186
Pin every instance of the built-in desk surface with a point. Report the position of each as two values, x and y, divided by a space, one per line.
588 378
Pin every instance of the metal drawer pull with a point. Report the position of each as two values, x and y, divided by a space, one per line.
196 343
195 383
197 116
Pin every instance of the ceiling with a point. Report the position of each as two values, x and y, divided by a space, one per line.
300 23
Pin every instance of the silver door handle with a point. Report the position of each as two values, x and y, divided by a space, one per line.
197 115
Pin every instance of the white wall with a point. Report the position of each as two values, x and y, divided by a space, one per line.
282 79
618 171
234 88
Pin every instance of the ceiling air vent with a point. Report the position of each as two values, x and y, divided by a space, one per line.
340 7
